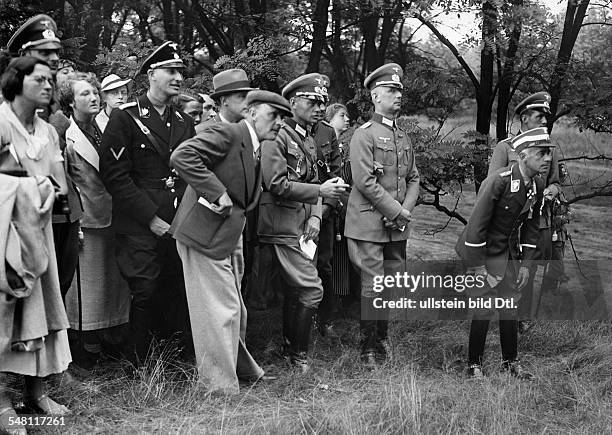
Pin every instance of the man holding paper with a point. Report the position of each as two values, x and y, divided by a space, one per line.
290 211
221 168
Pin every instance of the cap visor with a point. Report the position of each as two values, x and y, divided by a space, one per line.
283 110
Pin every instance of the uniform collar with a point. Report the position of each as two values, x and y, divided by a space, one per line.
387 122
297 127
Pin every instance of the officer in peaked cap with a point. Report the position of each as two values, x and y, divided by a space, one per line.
134 166
37 37
290 211
499 244
532 111
328 166
385 191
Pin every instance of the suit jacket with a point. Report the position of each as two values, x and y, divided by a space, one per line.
503 223
217 160
83 163
205 124
134 169
385 180
291 190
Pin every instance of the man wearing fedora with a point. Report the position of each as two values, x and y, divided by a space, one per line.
114 93
135 168
221 167
37 37
230 90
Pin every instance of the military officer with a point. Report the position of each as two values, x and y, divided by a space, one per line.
385 191
499 243
230 90
37 37
532 111
290 212
134 165
328 166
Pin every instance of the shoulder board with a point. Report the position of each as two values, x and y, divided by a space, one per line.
366 125
126 105
505 173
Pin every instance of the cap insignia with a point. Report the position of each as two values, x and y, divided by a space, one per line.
395 77
48 34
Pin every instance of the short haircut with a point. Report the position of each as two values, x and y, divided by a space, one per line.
17 69
66 91
332 109
186 97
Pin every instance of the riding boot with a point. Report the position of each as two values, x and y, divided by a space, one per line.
383 347
140 335
299 345
289 307
368 342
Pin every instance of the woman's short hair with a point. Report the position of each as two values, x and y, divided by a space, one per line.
66 91
185 97
332 109
17 69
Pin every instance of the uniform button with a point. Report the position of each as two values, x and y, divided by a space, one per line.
168 124
142 145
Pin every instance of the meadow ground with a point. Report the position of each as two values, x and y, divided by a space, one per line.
423 389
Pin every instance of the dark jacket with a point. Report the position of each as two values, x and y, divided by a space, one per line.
134 169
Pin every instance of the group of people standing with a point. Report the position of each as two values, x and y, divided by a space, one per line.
169 212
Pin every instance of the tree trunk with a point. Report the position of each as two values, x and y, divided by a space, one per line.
340 82
369 29
93 26
243 30
319 22
484 97
507 76
574 16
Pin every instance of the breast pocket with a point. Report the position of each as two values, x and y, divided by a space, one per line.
295 164
385 154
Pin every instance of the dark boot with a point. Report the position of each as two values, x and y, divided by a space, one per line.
299 345
140 335
383 347
289 307
368 343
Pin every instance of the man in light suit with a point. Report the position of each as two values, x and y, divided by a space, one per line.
385 191
221 168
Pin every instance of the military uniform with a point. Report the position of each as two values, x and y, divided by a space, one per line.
504 155
290 198
328 165
134 166
385 181
502 235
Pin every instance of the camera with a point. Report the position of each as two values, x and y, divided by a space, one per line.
60 206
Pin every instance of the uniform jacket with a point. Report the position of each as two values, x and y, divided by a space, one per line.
503 223
328 155
385 180
102 120
217 160
133 168
291 190
83 162
504 155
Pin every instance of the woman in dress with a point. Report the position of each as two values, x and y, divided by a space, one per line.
38 343
104 301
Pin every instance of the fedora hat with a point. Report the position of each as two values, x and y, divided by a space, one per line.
231 80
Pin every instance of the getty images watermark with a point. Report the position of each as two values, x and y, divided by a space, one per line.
442 290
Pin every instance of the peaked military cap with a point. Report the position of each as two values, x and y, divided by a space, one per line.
312 86
538 101
389 75
39 33
536 137
231 80
164 56
267 97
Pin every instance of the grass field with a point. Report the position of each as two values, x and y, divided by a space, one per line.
423 389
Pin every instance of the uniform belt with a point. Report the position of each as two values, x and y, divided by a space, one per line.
156 183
